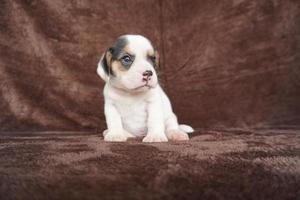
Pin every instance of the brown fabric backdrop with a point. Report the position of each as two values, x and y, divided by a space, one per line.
225 64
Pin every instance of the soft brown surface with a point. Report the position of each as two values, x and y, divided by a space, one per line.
229 165
232 63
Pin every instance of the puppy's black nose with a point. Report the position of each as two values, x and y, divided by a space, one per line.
148 73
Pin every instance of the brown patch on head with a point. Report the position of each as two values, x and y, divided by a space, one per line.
126 49
151 52
153 56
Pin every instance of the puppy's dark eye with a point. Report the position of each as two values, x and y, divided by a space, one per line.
152 59
126 60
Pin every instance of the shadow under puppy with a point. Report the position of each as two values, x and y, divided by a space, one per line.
135 104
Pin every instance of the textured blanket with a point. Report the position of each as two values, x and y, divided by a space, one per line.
228 164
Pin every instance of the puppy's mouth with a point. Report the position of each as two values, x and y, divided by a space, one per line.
143 86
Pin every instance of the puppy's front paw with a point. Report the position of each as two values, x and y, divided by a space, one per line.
155 138
177 135
114 136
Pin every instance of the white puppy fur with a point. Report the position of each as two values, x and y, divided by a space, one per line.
135 104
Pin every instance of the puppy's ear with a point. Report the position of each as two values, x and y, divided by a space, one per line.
156 63
104 69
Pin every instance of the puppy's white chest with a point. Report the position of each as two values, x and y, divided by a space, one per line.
134 116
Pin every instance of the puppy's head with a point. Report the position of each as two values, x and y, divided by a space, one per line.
130 64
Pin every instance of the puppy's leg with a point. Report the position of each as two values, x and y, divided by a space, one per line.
115 132
156 132
173 131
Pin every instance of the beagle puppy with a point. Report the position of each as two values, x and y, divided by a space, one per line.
135 104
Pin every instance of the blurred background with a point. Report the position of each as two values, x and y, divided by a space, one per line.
224 64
